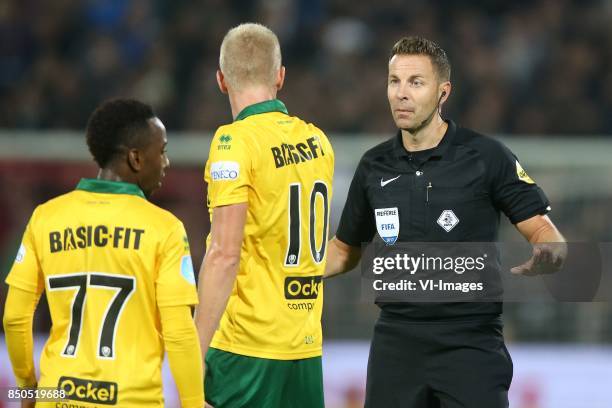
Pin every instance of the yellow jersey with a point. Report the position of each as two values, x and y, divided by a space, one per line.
283 168
107 259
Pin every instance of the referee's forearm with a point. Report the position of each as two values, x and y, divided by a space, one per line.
546 232
540 229
341 258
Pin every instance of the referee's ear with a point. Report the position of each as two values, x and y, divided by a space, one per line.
445 90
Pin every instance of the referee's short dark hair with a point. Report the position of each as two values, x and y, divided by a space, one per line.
115 125
415 45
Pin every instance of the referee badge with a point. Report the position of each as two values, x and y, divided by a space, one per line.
522 174
387 224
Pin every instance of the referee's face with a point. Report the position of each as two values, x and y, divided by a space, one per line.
412 89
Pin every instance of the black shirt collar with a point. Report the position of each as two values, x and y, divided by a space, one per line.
439 151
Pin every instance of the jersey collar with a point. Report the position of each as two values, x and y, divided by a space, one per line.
107 186
273 105
438 151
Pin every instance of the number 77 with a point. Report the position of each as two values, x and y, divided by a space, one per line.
80 282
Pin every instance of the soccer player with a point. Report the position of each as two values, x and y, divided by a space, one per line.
438 182
269 181
117 274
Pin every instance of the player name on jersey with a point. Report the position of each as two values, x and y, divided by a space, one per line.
289 154
98 235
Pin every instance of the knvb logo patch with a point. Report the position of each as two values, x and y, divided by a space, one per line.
447 220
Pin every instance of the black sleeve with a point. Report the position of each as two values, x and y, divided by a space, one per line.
513 191
357 221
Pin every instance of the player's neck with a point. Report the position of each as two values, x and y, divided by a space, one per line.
426 138
249 96
110 174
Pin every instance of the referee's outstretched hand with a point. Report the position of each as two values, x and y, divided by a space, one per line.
546 258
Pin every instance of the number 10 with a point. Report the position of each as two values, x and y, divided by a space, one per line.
295 225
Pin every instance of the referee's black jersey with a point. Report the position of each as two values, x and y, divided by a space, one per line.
451 193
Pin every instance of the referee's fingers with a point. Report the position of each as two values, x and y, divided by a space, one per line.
524 269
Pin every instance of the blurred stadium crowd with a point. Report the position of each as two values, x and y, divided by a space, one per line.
528 67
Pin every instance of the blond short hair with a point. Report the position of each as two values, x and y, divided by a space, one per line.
250 55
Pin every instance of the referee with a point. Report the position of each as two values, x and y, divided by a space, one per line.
445 184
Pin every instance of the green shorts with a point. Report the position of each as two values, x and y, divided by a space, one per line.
236 381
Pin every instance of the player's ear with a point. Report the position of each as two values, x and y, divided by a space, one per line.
134 160
280 78
221 82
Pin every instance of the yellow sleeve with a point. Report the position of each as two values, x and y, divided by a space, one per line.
228 169
184 355
175 284
26 273
18 317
